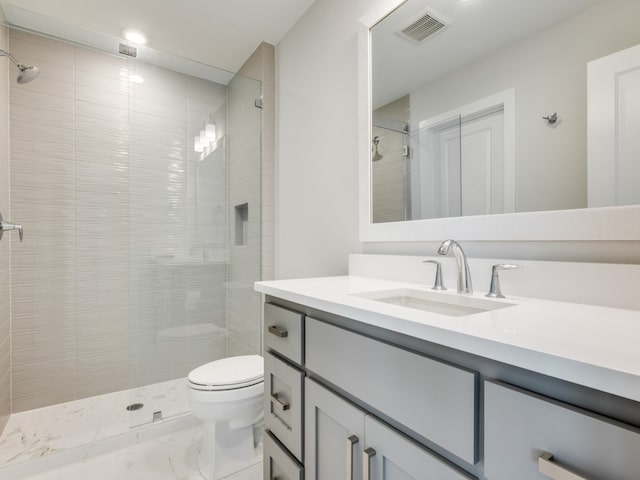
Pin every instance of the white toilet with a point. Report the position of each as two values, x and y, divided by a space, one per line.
227 395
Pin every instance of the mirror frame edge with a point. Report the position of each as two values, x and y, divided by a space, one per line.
586 224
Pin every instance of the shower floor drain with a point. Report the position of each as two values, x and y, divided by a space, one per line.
135 406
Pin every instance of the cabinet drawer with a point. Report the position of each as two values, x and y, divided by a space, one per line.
434 399
283 409
278 463
521 426
283 332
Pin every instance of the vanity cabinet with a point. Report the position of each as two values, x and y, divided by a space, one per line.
346 400
531 437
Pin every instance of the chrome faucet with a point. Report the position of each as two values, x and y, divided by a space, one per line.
464 275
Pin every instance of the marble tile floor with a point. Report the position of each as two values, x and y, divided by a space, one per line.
169 457
35 434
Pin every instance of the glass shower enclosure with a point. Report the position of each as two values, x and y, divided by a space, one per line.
138 180
194 230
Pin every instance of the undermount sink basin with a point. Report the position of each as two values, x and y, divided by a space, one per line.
434 302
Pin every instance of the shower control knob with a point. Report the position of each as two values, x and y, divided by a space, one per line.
4 226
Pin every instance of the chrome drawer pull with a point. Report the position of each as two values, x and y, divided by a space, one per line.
351 442
549 468
369 453
278 332
279 403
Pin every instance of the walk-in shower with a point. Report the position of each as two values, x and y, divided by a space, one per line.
131 272
26 73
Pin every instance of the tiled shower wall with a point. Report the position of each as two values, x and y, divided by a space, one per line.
251 181
120 278
5 319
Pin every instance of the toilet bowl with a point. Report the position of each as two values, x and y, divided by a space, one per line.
227 395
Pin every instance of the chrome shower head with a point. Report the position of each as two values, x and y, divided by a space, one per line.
26 73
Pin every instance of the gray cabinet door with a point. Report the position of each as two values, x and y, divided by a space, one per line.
334 433
389 455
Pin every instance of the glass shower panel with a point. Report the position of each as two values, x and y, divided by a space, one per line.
181 225
390 201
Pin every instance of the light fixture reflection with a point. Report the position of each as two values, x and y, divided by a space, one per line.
206 141
135 36
210 132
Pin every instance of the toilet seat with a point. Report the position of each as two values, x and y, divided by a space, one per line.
228 373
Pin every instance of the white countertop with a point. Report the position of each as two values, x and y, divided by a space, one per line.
595 346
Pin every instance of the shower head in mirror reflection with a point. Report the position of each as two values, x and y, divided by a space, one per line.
26 74
376 153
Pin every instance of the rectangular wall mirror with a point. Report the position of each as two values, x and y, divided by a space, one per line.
487 115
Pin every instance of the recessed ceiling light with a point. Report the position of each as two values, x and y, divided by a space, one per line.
135 36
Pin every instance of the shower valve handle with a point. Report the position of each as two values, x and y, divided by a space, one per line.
10 226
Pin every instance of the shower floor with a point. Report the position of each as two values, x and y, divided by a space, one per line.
76 429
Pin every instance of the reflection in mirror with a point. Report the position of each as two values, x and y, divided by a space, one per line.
460 92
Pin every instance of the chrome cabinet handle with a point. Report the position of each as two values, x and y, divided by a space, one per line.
4 226
548 468
279 403
351 443
277 331
369 453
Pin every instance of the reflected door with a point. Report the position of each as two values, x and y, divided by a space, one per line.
468 158
614 129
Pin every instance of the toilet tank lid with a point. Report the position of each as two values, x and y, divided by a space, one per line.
229 371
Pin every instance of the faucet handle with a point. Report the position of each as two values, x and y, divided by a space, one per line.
438 284
494 289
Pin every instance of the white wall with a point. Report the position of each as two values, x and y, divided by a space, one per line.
316 224
317 151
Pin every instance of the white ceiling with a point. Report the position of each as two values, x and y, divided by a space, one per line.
477 28
221 33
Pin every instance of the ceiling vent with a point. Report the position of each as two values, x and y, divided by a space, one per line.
128 50
426 25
